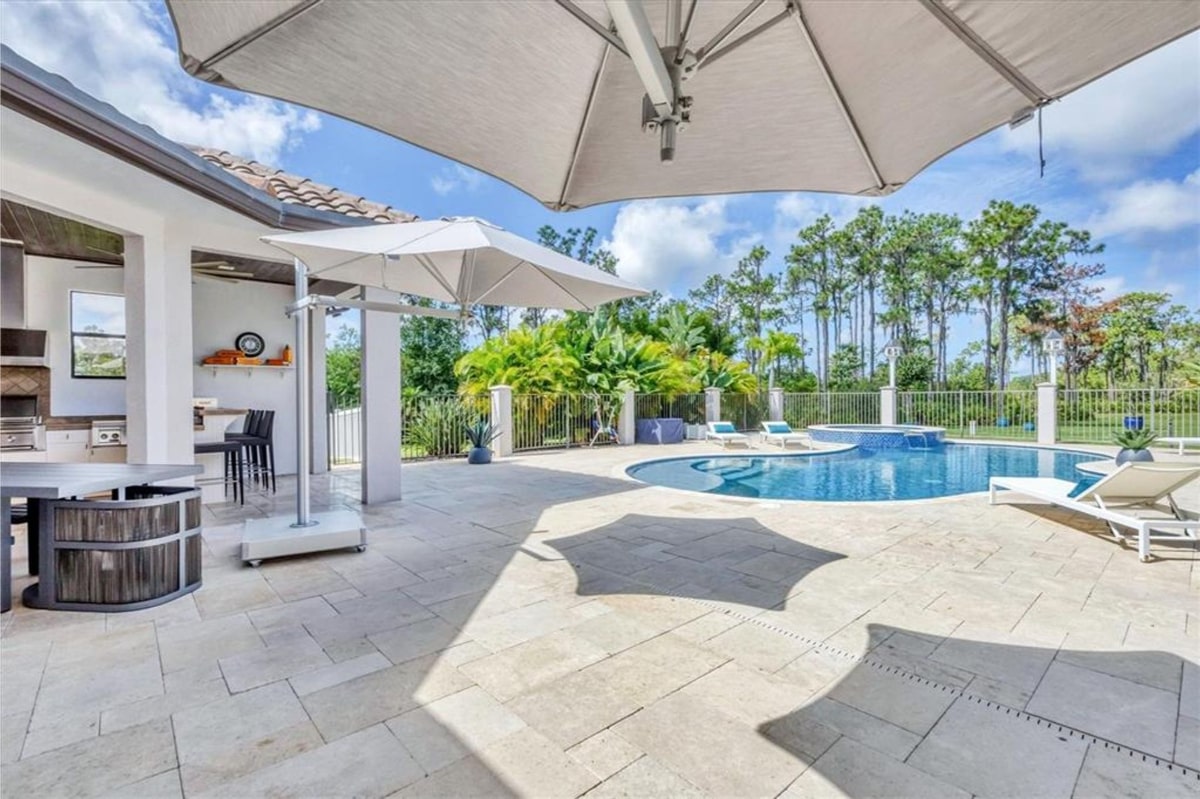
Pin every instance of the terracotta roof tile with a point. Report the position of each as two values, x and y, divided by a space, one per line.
298 190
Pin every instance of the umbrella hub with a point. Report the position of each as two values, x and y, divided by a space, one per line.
667 119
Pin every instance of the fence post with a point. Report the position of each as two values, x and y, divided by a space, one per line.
712 404
887 405
627 419
502 418
775 405
1047 413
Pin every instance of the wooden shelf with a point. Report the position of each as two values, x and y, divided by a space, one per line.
247 368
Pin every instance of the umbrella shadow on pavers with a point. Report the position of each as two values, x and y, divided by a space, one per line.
922 715
736 560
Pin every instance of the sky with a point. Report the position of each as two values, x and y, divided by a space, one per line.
1123 160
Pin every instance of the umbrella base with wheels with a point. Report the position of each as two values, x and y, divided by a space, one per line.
277 537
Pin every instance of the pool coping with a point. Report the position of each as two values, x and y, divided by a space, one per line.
621 472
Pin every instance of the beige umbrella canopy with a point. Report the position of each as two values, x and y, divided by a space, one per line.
579 102
460 260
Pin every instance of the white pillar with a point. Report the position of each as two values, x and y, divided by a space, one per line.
712 404
775 405
1047 413
887 405
382 426
158 348
627 419
502 420
318 402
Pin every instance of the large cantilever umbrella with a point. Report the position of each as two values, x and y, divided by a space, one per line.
464 261
852 96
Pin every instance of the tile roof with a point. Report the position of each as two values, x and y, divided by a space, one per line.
297 190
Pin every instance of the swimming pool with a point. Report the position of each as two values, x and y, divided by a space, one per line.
860 475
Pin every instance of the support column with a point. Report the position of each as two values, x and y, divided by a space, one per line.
712 404
158 348
502 420
887 405
1047 413
319 401
382 426
627 424
775 405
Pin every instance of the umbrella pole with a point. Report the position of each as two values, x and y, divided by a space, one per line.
303 409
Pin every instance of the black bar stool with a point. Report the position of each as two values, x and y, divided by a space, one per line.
233 476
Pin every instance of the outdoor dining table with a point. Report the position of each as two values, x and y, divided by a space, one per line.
96 531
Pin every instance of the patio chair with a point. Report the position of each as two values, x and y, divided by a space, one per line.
781 433
725 433
1132 497
1180 441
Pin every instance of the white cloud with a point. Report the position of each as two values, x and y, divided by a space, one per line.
670 243
454 177
1111 127
122 53
1149 206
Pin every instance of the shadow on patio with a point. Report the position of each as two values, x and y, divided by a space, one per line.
926 716
736 560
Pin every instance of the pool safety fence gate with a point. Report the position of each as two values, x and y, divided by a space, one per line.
434 424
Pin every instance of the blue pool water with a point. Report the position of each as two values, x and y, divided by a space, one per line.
861 475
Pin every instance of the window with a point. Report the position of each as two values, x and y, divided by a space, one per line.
97 335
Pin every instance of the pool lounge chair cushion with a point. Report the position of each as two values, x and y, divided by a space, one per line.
778 428
724 427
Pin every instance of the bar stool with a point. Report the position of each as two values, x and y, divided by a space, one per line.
258 439
232 450
246 438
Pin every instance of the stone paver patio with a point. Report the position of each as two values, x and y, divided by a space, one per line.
545 627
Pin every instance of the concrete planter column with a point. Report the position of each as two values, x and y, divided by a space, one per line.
1047 413
627 419
712 404
887 405
775 405
502 419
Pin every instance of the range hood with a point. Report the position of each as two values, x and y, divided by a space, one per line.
21 347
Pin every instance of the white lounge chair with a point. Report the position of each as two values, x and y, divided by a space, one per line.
781 433
726 433
1130 497
1180 441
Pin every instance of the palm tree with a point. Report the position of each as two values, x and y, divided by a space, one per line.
774 347
680 332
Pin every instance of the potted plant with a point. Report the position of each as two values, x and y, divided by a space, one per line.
481 434
1135 445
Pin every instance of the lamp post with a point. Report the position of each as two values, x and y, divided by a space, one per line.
1052 345
892 350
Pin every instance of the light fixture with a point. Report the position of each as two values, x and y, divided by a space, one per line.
1052 345
892 350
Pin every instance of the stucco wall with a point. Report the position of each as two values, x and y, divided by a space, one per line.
221 311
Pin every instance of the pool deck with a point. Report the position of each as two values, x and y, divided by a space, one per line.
545 628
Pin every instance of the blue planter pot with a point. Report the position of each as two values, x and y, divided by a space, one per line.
479 455
1028 427
1134 456
1002 421
1134 422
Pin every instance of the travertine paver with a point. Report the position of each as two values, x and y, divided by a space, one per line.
549 628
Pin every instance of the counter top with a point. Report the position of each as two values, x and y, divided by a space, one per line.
77 422
224 411
60 480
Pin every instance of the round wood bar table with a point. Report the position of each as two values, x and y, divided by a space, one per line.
138 548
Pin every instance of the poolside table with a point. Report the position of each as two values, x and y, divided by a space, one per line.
127 533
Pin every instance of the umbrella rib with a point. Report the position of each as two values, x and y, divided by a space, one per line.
496 285
587 19
253 35
704 52
549 276
837 94
986 52
583 123
747 36
423 260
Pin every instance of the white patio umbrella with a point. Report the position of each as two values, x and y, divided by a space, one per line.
460 260
852 96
